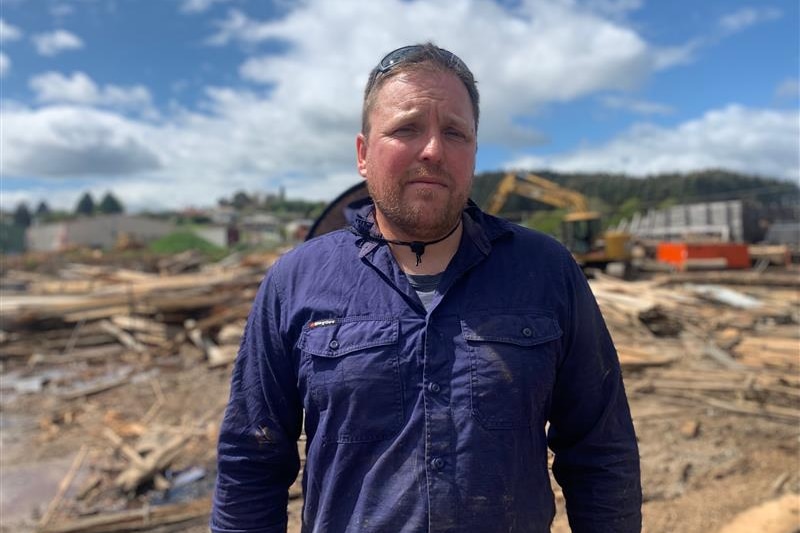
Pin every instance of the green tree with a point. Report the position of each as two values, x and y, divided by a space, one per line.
42 210
22 215
242 200
625 211
110 205
85 205
547 221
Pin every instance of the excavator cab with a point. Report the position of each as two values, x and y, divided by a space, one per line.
581 231
583 234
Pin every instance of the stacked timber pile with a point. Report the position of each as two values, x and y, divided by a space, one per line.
90 313
712 345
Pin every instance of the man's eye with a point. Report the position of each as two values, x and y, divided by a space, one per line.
404 130
455 134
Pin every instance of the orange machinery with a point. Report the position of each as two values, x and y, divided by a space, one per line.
709 255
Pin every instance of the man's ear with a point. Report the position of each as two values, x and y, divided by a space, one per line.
361 154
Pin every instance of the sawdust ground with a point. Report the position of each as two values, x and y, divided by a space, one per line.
694 482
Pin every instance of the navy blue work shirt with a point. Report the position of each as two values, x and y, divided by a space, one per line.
427 421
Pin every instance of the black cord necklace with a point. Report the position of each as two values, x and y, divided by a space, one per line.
418 247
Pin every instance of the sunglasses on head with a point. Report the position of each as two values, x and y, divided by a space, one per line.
398 56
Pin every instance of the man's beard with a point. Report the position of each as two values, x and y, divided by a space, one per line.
421 220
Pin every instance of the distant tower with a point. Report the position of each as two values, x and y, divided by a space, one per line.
282 193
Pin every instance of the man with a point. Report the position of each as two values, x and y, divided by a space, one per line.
428 347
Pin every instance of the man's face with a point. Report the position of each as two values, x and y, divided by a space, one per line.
419 155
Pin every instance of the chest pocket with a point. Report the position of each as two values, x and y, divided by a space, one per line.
355 377
513 361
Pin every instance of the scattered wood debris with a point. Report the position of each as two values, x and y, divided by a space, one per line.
83 334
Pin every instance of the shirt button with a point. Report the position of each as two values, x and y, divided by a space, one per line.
527 332
333 344
437 463
434 387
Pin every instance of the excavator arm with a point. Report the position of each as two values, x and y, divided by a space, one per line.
536 188
581 231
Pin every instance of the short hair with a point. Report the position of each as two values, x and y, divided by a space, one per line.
415 58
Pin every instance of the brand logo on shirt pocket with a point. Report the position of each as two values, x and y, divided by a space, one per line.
512 360
355 377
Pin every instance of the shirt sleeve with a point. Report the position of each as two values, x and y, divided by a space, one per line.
591 432
257 457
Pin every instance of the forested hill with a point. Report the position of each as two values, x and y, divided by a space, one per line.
618 195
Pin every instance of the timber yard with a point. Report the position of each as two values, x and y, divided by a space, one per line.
116 366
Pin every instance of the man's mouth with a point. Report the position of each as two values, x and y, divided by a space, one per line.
431 182
423 178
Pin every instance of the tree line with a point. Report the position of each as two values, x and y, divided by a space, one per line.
23 216
619 196
276 204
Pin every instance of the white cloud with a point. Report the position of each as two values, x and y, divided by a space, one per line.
199 6
53 87
788 89
50 44
551 52
8 32
239 27
295 125
5 64
641 107
737 138
62 141
746 17
671 56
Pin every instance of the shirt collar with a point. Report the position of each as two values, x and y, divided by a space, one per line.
480 228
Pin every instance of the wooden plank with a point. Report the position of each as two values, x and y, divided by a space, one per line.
63 486
769 345
152 465
142 519
641 358
222 355
123 337
227 315
159 481
782 414
95 388
106 351
140 324
107 312
771 279
779 515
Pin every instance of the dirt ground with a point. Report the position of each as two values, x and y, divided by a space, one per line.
701 465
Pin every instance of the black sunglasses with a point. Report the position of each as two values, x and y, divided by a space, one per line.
396 57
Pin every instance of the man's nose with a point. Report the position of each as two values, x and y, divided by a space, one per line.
432 150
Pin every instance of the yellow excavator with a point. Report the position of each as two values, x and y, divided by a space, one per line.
581 230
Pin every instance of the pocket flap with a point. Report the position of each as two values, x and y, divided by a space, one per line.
520 329
340 336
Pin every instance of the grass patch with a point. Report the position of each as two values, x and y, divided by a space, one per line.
182 241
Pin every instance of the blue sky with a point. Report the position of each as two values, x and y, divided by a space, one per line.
176 103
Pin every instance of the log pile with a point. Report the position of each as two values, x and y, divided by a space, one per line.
713 345
93 313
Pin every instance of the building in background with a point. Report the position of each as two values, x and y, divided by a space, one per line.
725 221
262 229
102 231
222 235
